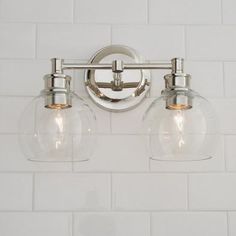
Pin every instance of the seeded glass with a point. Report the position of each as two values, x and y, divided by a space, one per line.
59 134
181 134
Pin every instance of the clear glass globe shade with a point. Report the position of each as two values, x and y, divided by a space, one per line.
57 134
181 135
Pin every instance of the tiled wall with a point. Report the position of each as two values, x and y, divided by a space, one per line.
119 192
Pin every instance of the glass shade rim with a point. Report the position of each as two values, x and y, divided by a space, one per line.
165 158
79 130
45 160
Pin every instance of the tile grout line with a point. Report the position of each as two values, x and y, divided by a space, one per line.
150 223
53 172
110 124
224 80
149 165
221 12
72 224
111 34
224 154
148 11
111 191
67 22
33 192
141 211
187 192
73 167
36 42
73 11
227 223
45 59
185 42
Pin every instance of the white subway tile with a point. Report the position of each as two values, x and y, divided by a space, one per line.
158 82
72 192
230 155
212 192
216 163
71 41
117 153
35 224
22 77
211 42
125 149
189 224
232 223
228 10
79 84
10 112
153 42
207 78
149 192
16 192
226 112
107 11
185 11
230 81
17 40
12 158
111 224
130 122
37 11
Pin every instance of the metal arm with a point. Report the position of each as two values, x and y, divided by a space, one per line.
137 66
117 67
58 66
106 88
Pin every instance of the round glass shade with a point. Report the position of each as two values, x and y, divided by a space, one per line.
186 130
57 133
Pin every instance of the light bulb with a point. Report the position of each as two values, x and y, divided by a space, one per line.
57 134
181 134
59 121
57 125
179 121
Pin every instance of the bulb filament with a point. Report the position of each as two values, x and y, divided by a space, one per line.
60 127
179 121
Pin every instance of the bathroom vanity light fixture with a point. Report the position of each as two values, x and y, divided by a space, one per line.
58 125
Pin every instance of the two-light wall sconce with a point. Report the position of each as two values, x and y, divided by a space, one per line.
58 125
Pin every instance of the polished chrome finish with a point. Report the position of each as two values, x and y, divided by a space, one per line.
58 101
173 81
56 65
125 85
117 83
57 91
177 78
57 82
177 81
117 66
177 65
117 79
149 66
126 66
178 102
100 66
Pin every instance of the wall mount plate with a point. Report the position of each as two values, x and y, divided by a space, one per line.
117 100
